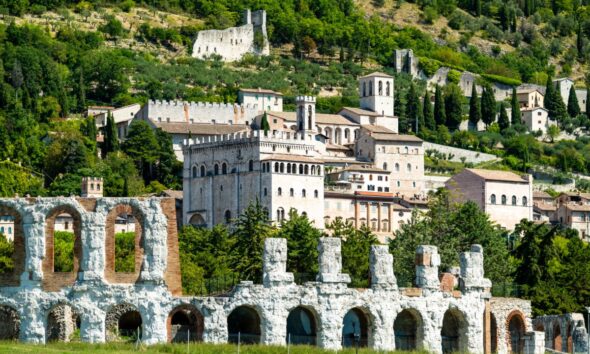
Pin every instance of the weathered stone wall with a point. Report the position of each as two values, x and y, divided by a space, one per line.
37 314
563 333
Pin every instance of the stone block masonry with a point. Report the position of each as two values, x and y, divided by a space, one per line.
103 303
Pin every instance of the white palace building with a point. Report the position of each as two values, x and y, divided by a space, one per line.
352 165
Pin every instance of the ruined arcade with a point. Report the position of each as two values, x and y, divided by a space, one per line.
38 304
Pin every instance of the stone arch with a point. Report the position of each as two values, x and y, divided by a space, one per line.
454 332
10 320
338 136
62 323
244 323
185 323
556 339
12 278
123 321
515 330
195 172
197 220
53 281
356 328
302 326
408 330
124 277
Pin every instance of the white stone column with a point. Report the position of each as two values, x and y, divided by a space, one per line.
153 321
274 263
34 243
381 264
427 262
92 325
330 261
32 322
93 248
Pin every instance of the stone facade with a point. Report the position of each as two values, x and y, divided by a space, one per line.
150 305
563 333
232 43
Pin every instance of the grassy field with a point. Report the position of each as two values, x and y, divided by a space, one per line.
66 348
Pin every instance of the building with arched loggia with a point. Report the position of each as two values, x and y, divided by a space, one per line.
38 304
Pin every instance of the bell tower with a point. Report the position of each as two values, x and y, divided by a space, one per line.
306 114
377 93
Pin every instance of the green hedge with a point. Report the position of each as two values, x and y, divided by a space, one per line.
502 79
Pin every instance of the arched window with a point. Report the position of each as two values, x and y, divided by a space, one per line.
282 167
224 168
291 192
370 88
280 191
493 199
309 116
524 201
265 192
288 168
276 167
250 165
380 88
306 169
503 199
303 194
202 171
513 200
227 216
194 171
319 170
387 89
396 167
409 167
364 89
385 166
300 169
313 170
316 194
370 177
216 169
280 214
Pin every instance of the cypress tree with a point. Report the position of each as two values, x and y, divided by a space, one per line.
474 106
81 93
429 120
264 125
515 106
439 107
587 100
111 139
453 106
549 93
573 107
580 42
414 109
554 103
477 7
503 120
488 105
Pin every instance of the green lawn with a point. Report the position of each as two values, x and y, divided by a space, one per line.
66 348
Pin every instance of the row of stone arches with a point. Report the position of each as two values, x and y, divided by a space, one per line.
67 219
556 339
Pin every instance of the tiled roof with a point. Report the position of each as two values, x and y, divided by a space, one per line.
200 129
378 129
377 73
493 175
541 194
396 137
361 112
172 193
260 90
544 207
578 207
288 157
320 118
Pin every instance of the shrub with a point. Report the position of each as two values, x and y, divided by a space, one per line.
502 79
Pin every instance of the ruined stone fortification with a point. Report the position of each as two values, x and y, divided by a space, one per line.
37 304
232 43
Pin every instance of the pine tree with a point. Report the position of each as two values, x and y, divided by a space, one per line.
439 107
488 105
429 120
414 109
111 138
503 120
515 106
453 106
573 107
474 106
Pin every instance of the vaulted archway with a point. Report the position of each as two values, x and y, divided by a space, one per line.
408 331
301 326
243 325
355 328
185 323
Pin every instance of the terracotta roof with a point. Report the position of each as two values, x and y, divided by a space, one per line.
320 118
294 158
260 90
337 147
493 175
361 168
578 207
544 207
378 129
576 194
172 193
374 194
532 109
377 73
396 137
361 112
200 129
541 194
348 160
528 90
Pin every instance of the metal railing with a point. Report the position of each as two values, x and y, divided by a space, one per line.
508 290
217 286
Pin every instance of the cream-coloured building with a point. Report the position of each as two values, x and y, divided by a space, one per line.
316 163
267 100
530 98
573 211
536 119
505 196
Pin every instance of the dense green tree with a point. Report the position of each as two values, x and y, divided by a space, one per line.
439 107
474 107
264 125
554 102
125 252
414 109
429 121
515 108
573 107
6 255
250 230
588 101
111 136
451 227
302 242
503 120
488 105
63 251
142 147
356 248
168 167
453 106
